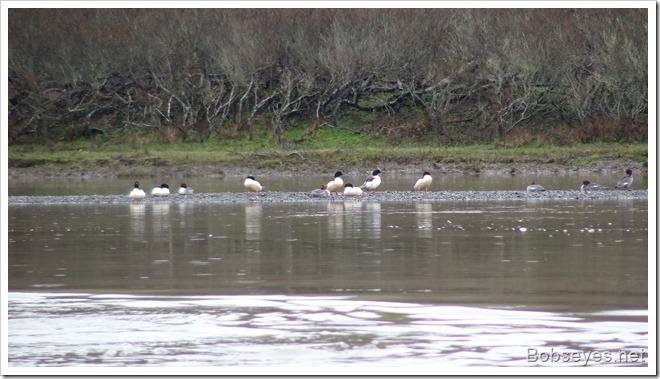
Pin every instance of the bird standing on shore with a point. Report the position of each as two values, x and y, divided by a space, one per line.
336 184
626 181
423 183
137 193
372 183
252 185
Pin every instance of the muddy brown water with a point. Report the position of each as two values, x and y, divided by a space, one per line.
340 283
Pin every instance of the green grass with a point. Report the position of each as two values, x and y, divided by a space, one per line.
327 150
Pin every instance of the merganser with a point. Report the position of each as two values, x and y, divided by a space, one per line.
184 190
320 192
372 183
349 190
423 183
535 187
588 186
163 190
626 181
251 184
137 193
336 184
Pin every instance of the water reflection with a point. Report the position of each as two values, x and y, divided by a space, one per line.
627 210
424 219
137 221
353 219
253 221
253 244
160 213
182 209
293 259
336 219
511 252
373 221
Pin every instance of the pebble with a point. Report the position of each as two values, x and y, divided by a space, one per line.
380 196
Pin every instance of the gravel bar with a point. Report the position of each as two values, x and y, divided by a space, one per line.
380 196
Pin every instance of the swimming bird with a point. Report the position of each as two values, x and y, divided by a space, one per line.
588 186
372 183
423 183
320 192
252 185
336 184
349 190
163 190
137 193
535 187
626 181
184 190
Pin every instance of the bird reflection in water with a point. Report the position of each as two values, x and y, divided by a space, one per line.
137 221
253 222
353 218
336 219
424 219
372 218
160 219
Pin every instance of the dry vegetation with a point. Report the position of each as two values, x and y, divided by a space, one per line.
448 75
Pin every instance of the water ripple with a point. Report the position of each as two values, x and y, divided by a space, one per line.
77 329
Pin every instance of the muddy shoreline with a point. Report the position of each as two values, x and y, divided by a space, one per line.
187 170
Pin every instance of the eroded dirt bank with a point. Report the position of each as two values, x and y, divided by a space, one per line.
302 168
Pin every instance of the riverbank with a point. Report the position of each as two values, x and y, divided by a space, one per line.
209 161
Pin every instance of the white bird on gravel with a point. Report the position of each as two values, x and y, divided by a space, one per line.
372 183
184 190
626 181
336 184
163 190
252 185
136 193
349 190
423 183
535 187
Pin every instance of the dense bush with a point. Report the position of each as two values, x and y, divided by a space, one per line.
454 75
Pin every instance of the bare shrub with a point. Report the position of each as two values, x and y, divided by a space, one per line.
472 75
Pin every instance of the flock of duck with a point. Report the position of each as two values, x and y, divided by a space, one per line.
623 183
371 184
163 190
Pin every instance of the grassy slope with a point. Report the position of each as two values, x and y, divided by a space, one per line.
327 150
